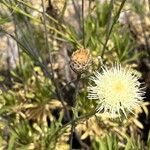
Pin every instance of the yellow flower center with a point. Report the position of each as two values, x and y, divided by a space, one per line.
119 87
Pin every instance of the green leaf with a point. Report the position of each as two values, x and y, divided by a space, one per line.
148 141
11 142
2 78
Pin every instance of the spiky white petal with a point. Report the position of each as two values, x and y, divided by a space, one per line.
116 90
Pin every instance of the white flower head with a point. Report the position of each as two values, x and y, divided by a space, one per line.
116 90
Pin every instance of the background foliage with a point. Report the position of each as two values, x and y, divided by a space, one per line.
38 88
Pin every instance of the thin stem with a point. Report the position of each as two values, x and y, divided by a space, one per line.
46 36
145 37
149 4
64 127
63 10
74 106
18 49
74 80
83 28
77 12
58 91
111 27
74 122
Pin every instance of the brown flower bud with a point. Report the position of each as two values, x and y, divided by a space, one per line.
80 60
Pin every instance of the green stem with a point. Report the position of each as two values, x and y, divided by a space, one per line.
111 27
74 106
83 29
64 127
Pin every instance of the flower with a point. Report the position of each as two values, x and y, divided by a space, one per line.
80 60
116 90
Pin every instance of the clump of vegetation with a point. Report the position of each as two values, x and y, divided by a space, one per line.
76 74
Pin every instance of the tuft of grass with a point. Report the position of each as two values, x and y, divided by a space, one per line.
35 107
